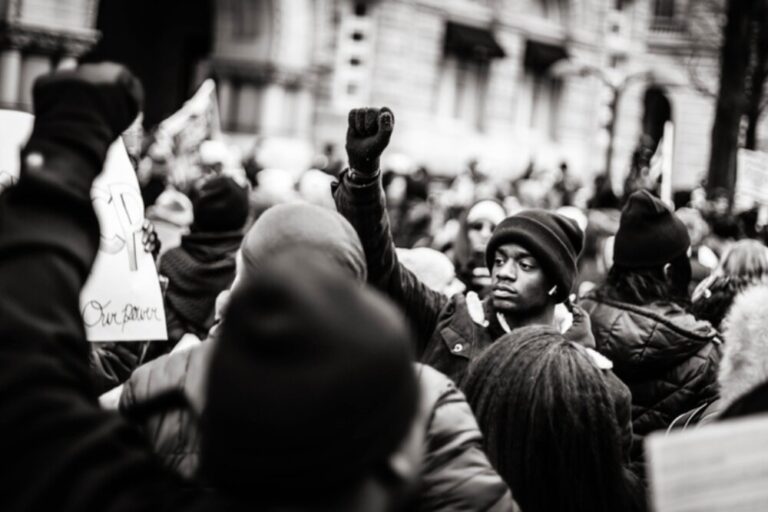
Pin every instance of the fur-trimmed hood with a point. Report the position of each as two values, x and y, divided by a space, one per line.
745 355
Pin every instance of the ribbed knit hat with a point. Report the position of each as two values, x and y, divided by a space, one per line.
554 240
219 204
649 234
311 385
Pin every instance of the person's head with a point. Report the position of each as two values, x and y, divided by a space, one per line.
651 252
219 204
482 218
303 227
698 229
549 423
432 268
745 258
743 264
744 364
532 259
311 393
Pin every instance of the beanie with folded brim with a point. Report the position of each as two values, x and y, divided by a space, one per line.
554 240
650 234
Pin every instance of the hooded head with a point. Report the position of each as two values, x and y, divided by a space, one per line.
304 228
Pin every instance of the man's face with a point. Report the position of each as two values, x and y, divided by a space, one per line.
519 285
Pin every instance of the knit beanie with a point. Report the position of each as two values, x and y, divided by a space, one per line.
554 240
649 234
304 226
219 204
310 388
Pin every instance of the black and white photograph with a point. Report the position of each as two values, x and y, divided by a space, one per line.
384 255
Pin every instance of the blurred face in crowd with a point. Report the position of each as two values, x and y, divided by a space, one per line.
479 234
519 285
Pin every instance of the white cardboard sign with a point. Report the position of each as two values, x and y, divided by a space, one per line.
721 467
121 300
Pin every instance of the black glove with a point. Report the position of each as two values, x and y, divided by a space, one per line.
367 135
83 110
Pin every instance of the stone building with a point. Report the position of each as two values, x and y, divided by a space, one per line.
510 82
37 36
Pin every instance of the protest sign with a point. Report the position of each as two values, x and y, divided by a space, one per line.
121 300
716 468
15 128
752 177
196 121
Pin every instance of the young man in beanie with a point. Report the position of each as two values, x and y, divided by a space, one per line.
668 358
531 257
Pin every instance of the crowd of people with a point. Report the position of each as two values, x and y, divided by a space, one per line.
368 340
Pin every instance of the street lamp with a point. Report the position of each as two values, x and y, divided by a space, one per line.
617 82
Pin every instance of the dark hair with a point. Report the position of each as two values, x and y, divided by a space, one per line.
550 424
643 285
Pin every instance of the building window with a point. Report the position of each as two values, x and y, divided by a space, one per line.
245 16
245 107
553 10
665 17
462 90
545 89
664 9
546 92
361 9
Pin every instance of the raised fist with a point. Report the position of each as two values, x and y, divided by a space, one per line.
368 134
106 94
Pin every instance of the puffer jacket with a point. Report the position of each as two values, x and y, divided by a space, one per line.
171 427
455 475
666 357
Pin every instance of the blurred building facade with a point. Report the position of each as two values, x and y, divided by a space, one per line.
473 78
509 82
37 36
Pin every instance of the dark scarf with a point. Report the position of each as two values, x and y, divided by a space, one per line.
201 268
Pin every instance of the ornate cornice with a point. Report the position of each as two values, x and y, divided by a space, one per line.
47 40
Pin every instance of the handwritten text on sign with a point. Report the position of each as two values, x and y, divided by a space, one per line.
121 301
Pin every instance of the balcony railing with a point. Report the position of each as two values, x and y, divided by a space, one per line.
663 25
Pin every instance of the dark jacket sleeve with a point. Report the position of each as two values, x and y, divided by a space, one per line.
58 447
362 202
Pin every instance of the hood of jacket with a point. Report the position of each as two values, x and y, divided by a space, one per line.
645 339
306 228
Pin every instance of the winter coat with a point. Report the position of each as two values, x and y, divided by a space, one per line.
197 271
666 357
455 475
449 331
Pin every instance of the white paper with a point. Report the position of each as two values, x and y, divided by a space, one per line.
121 300
721 467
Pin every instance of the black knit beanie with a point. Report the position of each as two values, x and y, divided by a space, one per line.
554 240
219 204
650 234
311 385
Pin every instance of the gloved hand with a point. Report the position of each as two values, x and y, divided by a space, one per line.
83 110
368 134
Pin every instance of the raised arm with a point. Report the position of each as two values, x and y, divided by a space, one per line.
360 198
59 449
